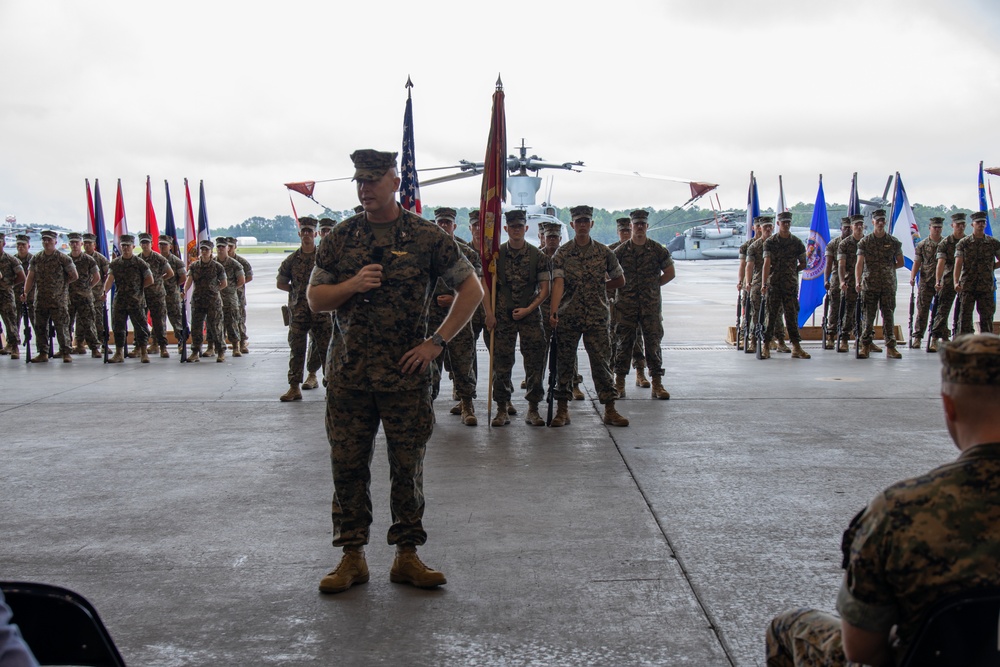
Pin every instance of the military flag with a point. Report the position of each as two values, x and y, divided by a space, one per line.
190 233
781 196
753 205
902 223
90 208
169 228
813 289
204 234
152 228
409 188
854 203
494 190
121 226
99 229
982 200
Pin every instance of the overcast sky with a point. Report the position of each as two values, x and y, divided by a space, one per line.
249 95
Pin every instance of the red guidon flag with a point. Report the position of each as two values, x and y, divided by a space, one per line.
494 190
303 188
152 228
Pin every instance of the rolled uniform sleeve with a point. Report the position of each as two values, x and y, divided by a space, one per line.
614 267
865 599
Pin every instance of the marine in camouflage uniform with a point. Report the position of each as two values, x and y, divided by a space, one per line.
583 270
522 285
24 256
130 275
459 356
478 321
230 299
624 226
241 291
156 294
293 277
50 272
207 277
919 542
11 275
743 286
172 287
316 358
784 257
647 266
879 255
847 259
753 273
976 258
81 296
90 247
941 326
832 284
379 366
925 267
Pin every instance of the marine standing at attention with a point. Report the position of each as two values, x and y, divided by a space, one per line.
847 258
23 255
49 273
241 291
976 258
624 226
208 278
156 294
945 282
784 257
378 269
879 255
172 288
831 281
90 247
130 276
11 274
583 271
925 267
230 299
81 296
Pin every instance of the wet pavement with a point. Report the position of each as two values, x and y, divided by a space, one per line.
191 506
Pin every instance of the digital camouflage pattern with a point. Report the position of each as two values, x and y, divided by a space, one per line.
878 285
459 355
206 302
52 279
10 268
129 302
231 299
172 293
755 254
97 290
81 300
25 261
639 308
926 252
296 270
241 291
366 386
783 284
805 637
584 312
847 250
517 287
156 296
979 256
946 294
833 286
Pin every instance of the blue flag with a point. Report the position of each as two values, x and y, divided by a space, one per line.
812 290
204 234
903 225
854 204
753 205
982 200
99 230
170 228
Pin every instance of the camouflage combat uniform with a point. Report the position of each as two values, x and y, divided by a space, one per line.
129 302
172 294
847 251
156 296
941 326
103 265
241 292
878 285
907 551
302 322
639 310
458 357
9 307
755 254
366 385
52 274
19 290
206 303
833 291
638 351
231 301
783 284
584 312
519 277
926 251
81 301
979 255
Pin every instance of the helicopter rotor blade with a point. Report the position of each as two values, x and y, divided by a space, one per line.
450 177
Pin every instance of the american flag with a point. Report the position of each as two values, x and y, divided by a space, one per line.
409 188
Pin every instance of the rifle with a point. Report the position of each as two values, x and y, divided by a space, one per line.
746 325
759 328
957 318
826 320
27 333
52 333
186 329
857 326
550 396
739 318
930 333
840 319
910 338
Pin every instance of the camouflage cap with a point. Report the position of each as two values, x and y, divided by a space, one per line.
371 165
582 211
445 213
856 218
231 240
145 238
785 216
474 217
845 221
624 224
764 220
126 239
971 359
74 236
89 237
639 217
166 240
515 215
958 217
205 245
878 214
978 216
553 229
49 234
936 222
22 238
327 223
221 240
307 222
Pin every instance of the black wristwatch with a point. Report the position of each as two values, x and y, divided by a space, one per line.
437 339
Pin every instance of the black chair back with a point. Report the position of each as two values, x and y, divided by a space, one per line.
961 631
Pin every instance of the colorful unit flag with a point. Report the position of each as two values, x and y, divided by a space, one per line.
121 226
203 232
152 228
854 203
494 190
753 205
90 208
99 229
190 233
982 201
409 188
781 196
813 289
169 228
902 224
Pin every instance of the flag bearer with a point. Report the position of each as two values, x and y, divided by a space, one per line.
976 258
230 300
879 255
833 283
130 276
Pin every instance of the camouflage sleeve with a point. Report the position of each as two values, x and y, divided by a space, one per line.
666 261
247 269
325 272
558 264
941 253
960 247
613 266
865 599
474 259
449 263
861 248
240 273
144 267
285 270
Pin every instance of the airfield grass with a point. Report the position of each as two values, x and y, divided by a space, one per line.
267 249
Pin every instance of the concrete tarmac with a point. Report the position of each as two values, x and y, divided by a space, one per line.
191 506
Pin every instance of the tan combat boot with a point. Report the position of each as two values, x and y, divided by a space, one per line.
67 357
209 350
352 569
640 378
143 354
243 347
40 358
658 390
865 350
562 413
79 349
117 357
578 393
293 393
765 351
799 353
501 418
933 346
524 384
915 343
407 568
611 416
236 349
782 347
195 354
842 346
456 409
95 353
892 353
533 418
221 356
752 347
469 413
164 352
875 348
310 383
14 352
620 385
153 348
